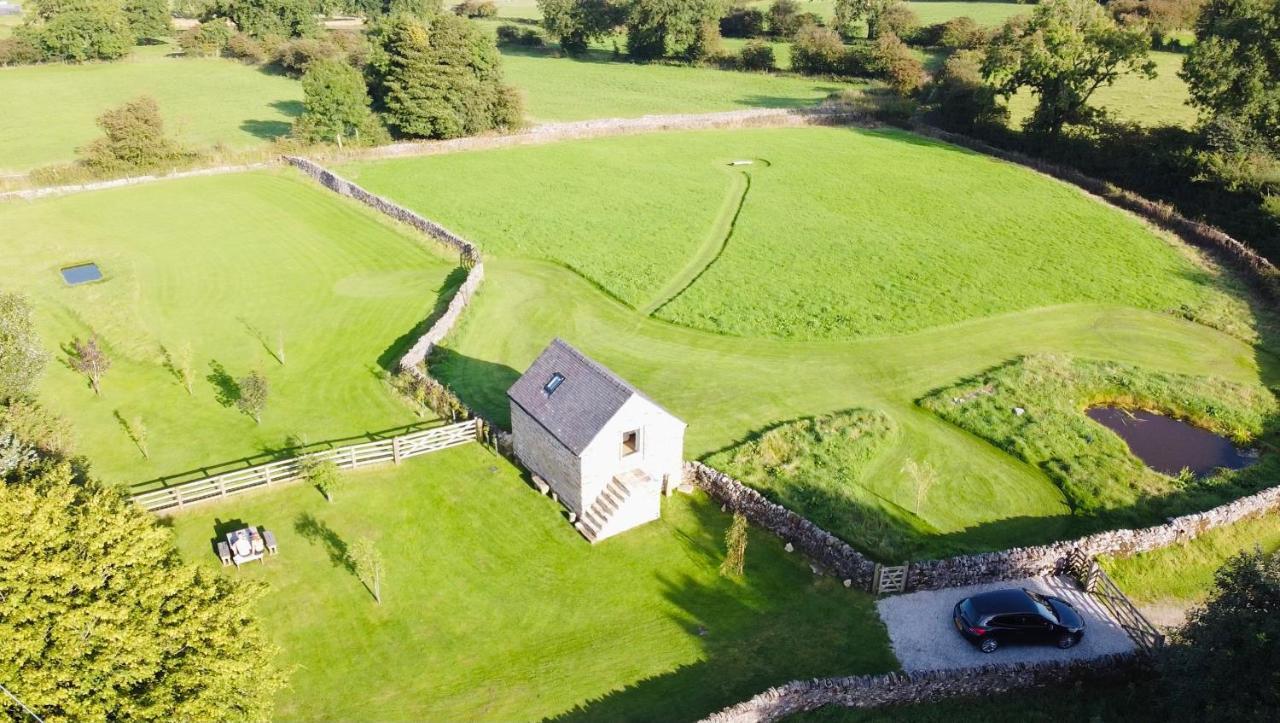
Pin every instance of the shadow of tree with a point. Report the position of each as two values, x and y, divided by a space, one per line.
226 388
266 129
316 531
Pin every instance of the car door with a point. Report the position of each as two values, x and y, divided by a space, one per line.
1003 627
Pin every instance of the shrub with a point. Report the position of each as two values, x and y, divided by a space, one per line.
298 54
784 18
875 104
962 33
758 55
260 18
134 140
148 19
522 36
476 9
898 65
742 22
207 38
19 50
817 51
244 47
964 101
337 107
897 18
860 61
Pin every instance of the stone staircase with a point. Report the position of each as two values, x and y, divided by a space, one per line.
594 523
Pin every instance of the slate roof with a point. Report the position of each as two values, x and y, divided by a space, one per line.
581 405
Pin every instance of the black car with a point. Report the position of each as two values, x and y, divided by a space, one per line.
995 618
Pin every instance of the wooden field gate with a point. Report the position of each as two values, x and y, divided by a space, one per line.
1097 583
889 579
284 471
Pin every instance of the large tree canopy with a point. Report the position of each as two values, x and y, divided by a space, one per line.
102 621
337 106
576 23
77 30
1233 72
1224 664
263 18
657 28
1064 52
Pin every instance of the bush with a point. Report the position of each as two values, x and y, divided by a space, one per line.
243 47
337 107
758 55
963 100
207 38
962 33
134 141
296 55
784 18
898 65
742 22
148 19
19 50
476 9
260 18
522 36
817 51
896 19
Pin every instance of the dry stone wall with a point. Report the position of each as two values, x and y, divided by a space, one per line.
819 545
875 691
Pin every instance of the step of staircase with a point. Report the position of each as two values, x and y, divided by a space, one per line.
602 509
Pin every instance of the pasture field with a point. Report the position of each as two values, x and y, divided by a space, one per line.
204 102
494 608
227 266
630 214
611 195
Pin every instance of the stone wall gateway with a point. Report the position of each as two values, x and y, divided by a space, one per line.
875 691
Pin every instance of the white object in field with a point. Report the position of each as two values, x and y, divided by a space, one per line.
741 163
1019 411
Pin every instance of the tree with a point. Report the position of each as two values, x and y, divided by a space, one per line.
849 14
103 621
923 477
1064 52
658 28
1233 71
148 19
135 139
758 55
376 9
817 51
252 398
368 564
324 474
1221 665
206 39
88 358
898 65
896 18
441 81
77 30
735 547
266 18
21 358
742 22
337 111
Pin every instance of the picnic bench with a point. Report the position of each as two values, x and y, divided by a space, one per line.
246 545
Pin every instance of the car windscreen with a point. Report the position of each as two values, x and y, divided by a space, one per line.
1042 605
966 609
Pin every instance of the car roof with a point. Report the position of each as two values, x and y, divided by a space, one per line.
1002 602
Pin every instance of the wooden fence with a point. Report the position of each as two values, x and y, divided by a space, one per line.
1097 583
283 471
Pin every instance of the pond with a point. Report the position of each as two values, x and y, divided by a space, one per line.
1169 446
81 274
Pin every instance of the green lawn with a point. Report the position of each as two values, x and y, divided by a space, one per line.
495 608
204 102
1018 238
1161 101
631 214
226 265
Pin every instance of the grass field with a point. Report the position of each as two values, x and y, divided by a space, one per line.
204 102
986 13
608 193
828 200
226 265
496 609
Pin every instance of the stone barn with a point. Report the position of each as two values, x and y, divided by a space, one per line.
605 449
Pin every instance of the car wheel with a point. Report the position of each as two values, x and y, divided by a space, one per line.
1066 641
989 645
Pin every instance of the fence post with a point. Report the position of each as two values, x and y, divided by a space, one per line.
177 493
222 487
395 449
351 452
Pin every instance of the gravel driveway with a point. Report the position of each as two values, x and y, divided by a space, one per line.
923 637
